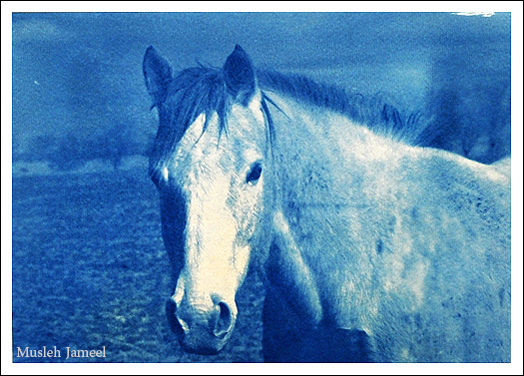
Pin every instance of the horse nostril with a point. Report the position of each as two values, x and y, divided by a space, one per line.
172 318
224 321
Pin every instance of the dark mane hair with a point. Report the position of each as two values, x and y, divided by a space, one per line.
373 112
202 89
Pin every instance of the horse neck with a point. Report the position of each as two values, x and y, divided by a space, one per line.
321 157
323 167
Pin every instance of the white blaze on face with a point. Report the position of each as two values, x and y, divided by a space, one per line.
211 232
211 173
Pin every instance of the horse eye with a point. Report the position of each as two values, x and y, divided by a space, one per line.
254 174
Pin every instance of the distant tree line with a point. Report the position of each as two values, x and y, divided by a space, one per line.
72 150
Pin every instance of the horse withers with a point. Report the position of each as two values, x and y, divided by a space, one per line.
373 248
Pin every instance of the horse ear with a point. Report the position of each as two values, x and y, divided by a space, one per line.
239 75
157 73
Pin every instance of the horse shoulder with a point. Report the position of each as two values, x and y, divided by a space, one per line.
446 274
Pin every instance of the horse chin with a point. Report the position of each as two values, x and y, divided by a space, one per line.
203 346
201 350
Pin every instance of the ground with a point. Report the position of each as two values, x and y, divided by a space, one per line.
90 270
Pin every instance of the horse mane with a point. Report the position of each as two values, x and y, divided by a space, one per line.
198 90
374 112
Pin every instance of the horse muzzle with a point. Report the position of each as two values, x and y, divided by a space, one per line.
201 331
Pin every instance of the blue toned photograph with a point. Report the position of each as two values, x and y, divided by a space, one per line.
261 187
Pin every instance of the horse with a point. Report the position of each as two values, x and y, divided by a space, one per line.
373 248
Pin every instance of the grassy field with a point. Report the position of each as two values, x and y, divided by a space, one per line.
90 270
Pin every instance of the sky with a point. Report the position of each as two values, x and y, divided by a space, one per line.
81 72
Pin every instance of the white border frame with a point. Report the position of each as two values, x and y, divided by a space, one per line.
515 367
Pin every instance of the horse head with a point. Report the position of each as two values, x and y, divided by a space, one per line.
208 164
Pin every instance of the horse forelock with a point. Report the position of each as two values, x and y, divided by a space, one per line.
194 92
